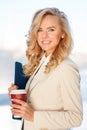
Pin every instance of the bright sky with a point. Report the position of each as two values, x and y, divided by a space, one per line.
16 16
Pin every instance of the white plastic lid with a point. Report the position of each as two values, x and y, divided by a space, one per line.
18 91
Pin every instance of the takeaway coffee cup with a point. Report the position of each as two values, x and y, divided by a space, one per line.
18 94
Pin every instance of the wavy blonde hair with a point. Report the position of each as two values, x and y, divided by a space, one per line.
34 53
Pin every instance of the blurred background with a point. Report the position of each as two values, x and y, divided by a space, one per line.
15 20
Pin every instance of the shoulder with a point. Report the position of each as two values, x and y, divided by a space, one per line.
68 63
68 67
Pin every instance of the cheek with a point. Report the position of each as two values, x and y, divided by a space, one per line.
38 41
38 38
56 38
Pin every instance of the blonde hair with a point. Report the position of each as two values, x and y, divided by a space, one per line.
34 53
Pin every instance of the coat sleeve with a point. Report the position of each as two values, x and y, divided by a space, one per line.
72 113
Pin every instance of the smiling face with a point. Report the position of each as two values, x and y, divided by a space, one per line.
49 34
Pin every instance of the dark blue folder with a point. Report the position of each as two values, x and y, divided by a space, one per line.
19 78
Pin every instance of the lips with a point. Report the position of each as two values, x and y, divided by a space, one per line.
46 42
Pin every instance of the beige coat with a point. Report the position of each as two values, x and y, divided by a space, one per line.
55 98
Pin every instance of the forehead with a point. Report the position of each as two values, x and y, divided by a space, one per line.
50 20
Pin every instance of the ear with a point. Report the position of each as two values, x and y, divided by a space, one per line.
63 35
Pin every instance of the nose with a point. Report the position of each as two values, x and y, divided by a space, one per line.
44 34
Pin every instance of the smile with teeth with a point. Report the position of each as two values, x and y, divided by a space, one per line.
46 42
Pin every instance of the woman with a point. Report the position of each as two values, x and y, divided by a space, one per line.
53 91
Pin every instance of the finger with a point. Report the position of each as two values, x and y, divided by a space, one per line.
13 87
16 106
18 101
16 111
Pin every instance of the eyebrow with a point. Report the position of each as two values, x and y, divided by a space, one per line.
49 27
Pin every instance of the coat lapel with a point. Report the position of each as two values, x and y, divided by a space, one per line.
39 76
31 78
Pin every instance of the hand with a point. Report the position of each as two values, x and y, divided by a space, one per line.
12 87
22 109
